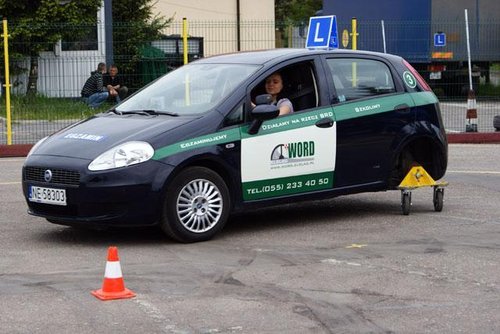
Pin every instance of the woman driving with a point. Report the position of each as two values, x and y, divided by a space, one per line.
274 86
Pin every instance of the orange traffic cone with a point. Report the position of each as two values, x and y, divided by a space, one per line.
471 117
113 286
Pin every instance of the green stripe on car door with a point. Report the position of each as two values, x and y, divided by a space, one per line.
287 185
383 104
343 111
216 138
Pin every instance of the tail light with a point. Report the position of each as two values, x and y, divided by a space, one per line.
420 80
436 68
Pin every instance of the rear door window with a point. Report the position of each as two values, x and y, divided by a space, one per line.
360 78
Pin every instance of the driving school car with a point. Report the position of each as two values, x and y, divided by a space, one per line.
191 148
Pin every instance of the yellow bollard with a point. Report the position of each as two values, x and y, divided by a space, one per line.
185 39
354 34
185 51
7 81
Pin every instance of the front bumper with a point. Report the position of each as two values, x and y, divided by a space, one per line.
128 196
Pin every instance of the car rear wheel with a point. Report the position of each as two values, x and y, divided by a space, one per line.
402 166
196 205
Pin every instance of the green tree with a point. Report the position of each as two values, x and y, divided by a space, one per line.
290 13
134 26
296 11
35 26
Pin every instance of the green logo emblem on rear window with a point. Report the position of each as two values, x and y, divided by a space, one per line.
409 79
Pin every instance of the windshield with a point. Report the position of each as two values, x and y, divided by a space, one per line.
191 89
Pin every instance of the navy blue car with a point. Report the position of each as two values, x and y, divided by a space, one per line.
204 141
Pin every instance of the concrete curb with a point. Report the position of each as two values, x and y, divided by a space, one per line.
21 150
474 138
17 150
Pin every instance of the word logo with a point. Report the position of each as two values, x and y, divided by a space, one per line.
293 154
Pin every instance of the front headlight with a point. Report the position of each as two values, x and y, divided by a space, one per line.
123 155
33 149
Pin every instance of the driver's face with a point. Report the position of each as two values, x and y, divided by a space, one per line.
274 84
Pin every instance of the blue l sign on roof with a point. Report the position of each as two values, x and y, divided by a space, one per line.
322 32
440 39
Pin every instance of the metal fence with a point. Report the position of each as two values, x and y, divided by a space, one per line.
64 66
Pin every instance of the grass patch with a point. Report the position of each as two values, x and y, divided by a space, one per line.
48 108
489 90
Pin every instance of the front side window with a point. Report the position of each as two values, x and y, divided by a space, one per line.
359 78
297 84
191 89
235 117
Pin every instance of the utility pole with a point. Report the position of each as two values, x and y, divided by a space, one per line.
108 31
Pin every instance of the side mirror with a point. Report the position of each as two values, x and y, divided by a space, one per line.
263 99
264 112
260 114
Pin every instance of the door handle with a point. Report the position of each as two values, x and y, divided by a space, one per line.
326 122
402 107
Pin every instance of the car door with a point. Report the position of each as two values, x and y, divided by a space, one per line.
294 153
371 109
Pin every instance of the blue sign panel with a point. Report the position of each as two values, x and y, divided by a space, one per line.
440 39
322 32
334 36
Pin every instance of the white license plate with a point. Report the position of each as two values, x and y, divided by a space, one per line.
435 76
47 195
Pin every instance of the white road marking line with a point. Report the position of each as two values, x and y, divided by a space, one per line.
335 261
8 183
12 159
473 172
156 315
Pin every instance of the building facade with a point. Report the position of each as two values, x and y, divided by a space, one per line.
224 25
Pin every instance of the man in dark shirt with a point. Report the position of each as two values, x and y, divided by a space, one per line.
94 92
114 84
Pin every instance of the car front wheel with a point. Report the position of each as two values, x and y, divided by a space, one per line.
196 205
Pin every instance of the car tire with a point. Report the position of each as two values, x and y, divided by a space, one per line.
402 166
496 122
196 206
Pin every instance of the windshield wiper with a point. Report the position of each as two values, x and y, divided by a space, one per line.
169 113
115 111
146 112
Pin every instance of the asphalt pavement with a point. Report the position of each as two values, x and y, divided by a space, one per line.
352 264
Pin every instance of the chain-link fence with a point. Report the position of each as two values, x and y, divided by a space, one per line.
60 68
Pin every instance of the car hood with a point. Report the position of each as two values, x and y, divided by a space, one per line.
92 137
